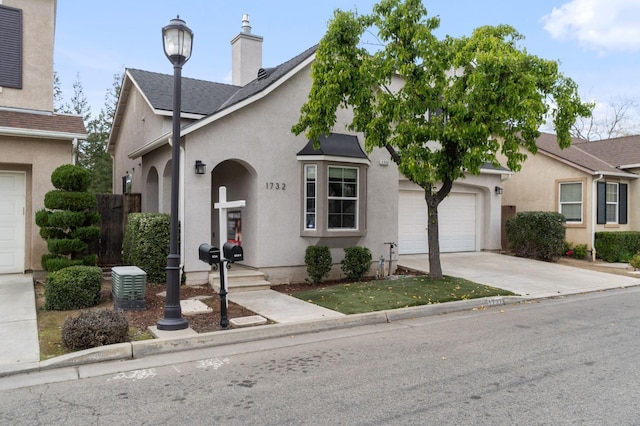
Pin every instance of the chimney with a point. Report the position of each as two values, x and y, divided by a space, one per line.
246 55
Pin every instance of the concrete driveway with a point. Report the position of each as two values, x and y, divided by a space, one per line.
525 277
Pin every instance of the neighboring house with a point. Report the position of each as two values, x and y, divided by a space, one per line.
33 139
296 196
593 184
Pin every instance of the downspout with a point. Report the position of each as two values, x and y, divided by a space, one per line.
74 149
594 215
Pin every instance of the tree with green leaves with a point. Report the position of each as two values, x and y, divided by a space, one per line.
92 154
461 102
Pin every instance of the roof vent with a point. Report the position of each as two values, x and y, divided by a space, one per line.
264 73
246 28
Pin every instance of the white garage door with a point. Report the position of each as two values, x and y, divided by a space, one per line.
456 217
12 222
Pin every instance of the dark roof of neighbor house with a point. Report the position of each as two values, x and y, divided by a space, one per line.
574 154
616 151
198 96
206 97
43 122
336 144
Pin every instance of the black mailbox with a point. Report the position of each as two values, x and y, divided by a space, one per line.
209 254
233 252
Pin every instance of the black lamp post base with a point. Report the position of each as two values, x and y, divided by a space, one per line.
172 324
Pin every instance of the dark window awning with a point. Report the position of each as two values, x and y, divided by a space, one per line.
335 145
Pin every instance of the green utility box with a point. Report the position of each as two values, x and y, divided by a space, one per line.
128 285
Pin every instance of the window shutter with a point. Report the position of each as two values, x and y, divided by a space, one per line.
602 204
10 47
622 203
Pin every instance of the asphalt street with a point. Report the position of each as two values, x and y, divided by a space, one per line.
567 360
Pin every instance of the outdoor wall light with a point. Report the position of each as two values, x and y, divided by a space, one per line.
498 190
201 168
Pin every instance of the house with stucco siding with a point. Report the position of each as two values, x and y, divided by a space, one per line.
338 195
593 184
34 140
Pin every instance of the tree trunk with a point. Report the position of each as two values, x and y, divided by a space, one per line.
435 268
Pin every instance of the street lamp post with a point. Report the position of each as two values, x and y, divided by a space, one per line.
177 40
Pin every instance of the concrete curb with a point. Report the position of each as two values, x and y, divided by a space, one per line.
144 348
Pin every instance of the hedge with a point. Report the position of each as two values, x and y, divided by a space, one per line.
617 246
537 235
75 287
146 244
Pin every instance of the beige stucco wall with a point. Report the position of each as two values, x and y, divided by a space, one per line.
38 158
139 125
535 188
259 137
38 17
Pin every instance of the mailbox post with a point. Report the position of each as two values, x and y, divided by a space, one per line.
211 255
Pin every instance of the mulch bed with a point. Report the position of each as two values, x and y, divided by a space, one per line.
200 323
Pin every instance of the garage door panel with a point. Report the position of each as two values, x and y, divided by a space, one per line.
12 222
456 223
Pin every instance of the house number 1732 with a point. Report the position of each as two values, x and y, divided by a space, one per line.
276 185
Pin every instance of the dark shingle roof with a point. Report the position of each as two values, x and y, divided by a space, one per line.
206 97
574 154
198 96
43 122
335 144
617 151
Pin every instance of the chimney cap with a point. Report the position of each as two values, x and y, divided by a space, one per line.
246 28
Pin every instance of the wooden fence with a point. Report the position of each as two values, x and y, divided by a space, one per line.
114 210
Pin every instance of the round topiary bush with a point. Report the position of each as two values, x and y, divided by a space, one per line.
75 287
319 263
71 178
356 263
95 328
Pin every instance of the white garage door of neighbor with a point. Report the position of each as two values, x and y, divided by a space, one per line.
12 222
456 217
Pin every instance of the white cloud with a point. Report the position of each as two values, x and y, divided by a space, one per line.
603 25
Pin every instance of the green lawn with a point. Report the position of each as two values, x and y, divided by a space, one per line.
403 292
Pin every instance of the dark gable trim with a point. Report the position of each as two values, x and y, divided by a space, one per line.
10 47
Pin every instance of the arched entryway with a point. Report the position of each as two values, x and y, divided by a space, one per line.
240 180
152 192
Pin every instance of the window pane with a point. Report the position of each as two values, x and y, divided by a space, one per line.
572 212
570 192
612 213
612 192
310 173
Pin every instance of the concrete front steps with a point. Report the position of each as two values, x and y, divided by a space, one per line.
240 279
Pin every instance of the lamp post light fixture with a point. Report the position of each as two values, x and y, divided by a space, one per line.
177 40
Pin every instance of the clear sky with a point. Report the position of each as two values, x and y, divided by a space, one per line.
596 41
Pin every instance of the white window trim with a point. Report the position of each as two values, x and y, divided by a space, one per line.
561 203
356 198
612 203
315 197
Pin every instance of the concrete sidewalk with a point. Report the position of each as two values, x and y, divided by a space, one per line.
19 347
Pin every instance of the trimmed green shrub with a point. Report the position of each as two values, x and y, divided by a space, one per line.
68 222
537 235
74 201
617 246
55 263
65 246
75 287
356 263
95 328
71 178
146 244
580 251
635 261
319 263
